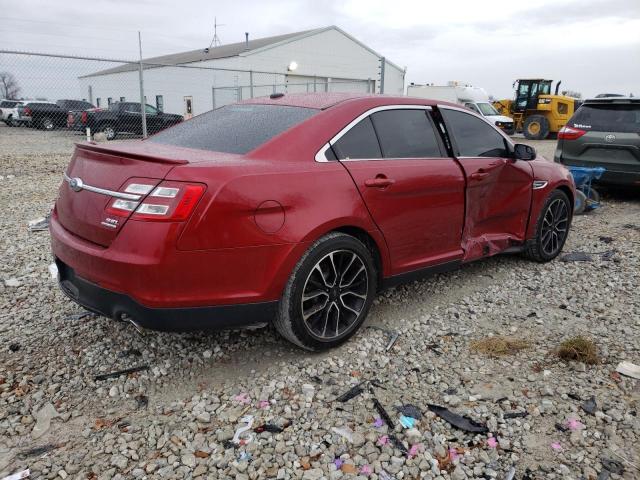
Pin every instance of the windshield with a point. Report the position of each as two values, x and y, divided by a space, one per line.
234 128
487 109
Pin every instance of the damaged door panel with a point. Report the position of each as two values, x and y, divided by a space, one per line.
498 187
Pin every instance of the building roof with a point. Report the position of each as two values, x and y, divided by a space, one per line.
225 51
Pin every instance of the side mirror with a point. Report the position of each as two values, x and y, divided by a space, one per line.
524 152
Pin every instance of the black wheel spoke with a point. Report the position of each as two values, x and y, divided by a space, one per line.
334 294
554 227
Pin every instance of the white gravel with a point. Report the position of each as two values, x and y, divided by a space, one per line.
176 419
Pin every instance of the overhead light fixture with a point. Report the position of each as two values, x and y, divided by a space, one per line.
292 66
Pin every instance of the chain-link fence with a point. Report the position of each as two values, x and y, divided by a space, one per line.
86 95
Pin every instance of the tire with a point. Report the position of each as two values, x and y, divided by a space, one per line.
109 131
536 127
46 123
9 121
555 215
319 274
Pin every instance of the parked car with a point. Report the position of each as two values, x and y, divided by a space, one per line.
69 105
297 209
9 112
121 117
604 132
43 115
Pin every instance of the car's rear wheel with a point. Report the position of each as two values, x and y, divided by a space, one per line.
329 293
47 124
552 228
108 130
536 127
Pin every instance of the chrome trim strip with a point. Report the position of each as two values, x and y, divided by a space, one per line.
320 155
76 184
539 184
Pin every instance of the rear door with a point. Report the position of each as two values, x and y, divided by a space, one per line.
414 192
498 188
603 134
129 117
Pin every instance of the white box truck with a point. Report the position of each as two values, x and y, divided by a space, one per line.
474 98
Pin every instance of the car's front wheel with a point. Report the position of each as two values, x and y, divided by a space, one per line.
329 293
552 228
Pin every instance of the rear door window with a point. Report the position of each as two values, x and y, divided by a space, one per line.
234 128
359 142
623 118
405 133
473 136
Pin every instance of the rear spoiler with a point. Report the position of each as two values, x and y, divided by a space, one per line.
137 151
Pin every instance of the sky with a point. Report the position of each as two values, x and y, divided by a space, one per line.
593 46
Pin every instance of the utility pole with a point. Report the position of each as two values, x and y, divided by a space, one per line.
143 105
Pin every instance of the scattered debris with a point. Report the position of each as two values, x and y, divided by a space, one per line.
383 413
245 456
608 255
383 440
415 449
39 224
130 352
407 422
81 315
590 405
556 446
409 411
242 398
345 432
272 428
119 373
43 420
560 427
263 404
580 349
248 419
576 257
308 391
12 282
18 475
338 463
53 271
398 444
37 451
378 422
612 466
392 340
351 393
510 474
631 226
142 401
492 442
458 421
574 424
629 369
14 347
499 345
515 415
383 475
605 239
366 470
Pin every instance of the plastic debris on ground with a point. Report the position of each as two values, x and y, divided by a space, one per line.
39 224
612 466
383 413
248 420
242 398
119 373
415 450
407 422
458 421
43 420
345 432
366 470
272 428
378 422
263 404
556 446
590 406
515 415
384 476
53 271
338 463
574 424
510 474
18 475
492 442
576 257
14 347
410 411
38 451
629 369
351 393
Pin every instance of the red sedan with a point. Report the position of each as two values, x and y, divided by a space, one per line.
297 209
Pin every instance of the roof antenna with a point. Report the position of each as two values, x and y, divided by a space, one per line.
215 42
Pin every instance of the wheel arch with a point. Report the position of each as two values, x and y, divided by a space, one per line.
371 245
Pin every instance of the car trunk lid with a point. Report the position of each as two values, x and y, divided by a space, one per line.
97 173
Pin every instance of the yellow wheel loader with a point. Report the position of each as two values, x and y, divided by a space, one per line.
535 110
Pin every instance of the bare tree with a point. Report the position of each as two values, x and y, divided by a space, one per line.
9 87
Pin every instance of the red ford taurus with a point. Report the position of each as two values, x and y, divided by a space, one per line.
297 209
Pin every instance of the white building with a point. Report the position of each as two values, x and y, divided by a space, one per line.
189 83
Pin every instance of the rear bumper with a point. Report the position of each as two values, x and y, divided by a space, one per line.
116 305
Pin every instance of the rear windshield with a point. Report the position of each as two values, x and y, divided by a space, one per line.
8 104
622 118
234 128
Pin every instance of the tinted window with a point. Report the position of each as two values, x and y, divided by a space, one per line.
234 128
130 107
359 142
8 104
42 106
473 136
405 134
622 118
74 104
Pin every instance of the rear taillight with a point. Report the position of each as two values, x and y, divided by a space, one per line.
167 202
570 133
26 112
83 118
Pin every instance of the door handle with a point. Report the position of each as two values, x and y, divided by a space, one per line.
379 182
479 175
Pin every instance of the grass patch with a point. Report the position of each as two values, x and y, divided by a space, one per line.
499 345
580 349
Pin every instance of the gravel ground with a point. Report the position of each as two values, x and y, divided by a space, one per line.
176 419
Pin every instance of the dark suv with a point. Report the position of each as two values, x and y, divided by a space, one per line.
604 132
